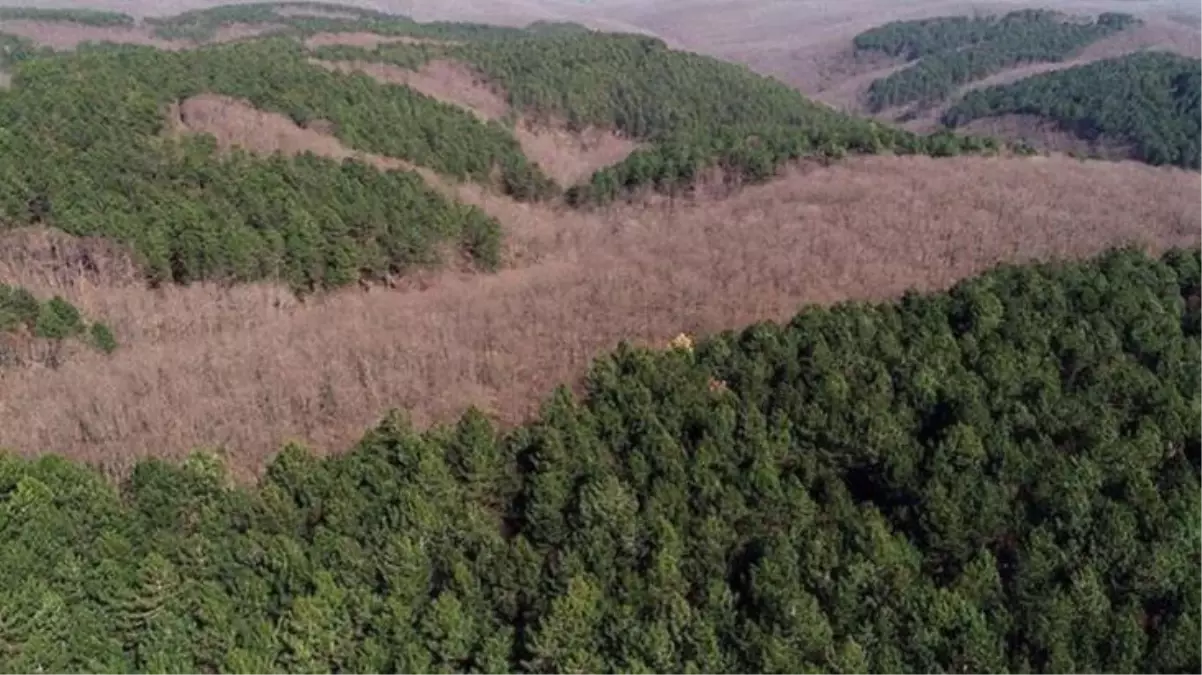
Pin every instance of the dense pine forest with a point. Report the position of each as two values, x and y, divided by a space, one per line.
694 111
950 52
1003 477
85 152
1149 100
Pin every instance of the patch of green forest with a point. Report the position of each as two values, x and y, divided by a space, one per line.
14 49
953 51
84 151
999 478
693 111
87 17
53 319
1149 100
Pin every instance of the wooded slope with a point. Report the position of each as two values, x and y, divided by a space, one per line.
999 478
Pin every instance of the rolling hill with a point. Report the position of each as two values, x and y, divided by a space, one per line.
1053 81
946 53
1147 101
666 367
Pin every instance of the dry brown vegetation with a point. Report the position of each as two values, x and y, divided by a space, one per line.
233 122
249 368
571 156
1045 134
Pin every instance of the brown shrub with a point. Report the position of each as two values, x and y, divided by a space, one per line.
235 123
1046 134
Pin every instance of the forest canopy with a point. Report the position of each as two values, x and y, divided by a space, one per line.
85 152
693 112
1149 100
1000 478
949 52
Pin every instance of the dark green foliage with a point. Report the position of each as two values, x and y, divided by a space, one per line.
1148 99
84 152
54 319
14 49
18 308
102 338
85 149
90 17
694 111
953 51
1001 478
58 320
202 24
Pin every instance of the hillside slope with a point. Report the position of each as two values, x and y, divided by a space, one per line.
1148 100
949 52
1002 478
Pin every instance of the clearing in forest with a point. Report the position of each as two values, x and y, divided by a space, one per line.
443 79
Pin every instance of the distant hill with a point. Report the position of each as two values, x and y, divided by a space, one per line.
949 52
1147 100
